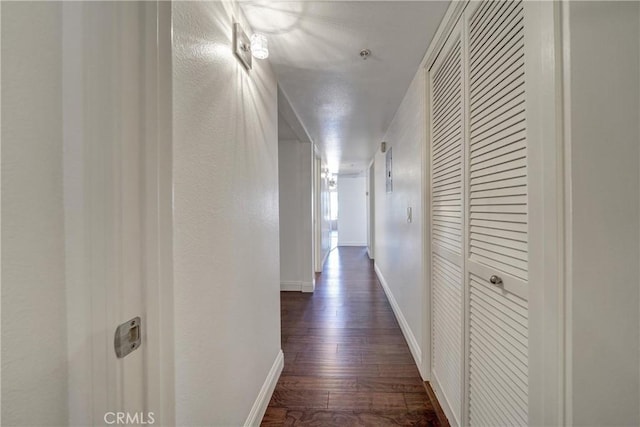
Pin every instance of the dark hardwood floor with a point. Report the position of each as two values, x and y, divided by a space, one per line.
346 361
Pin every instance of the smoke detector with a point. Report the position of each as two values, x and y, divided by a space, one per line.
365 53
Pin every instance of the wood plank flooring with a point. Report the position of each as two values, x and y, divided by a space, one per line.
346 360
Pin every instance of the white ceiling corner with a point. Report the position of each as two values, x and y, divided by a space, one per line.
344 103
289 125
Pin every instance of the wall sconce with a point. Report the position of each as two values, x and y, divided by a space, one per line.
244 47
259 46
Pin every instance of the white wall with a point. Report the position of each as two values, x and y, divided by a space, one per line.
604 218
34 340
226 250
352 211
398 244
296 234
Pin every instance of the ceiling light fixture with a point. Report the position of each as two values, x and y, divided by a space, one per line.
244 47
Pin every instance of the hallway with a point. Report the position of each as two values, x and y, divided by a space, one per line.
174 173
346 360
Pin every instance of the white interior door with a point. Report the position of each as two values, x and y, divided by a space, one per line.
114 195
446 165
497 251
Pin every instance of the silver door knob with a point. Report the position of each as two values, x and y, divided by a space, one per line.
496 280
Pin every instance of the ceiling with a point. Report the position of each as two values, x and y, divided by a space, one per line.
345 103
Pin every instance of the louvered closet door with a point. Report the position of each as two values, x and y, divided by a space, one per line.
446 88
497 211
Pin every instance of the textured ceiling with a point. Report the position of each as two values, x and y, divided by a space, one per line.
345 103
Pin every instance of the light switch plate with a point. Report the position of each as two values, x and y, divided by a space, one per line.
242 46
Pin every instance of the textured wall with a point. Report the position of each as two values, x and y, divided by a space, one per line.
226 271
398 244
34 341
296 263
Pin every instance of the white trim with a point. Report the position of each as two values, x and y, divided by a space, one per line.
451 16
316 212
465 369
442 400
416 351
262 401
364 244
426 227
567 278
161 391
543 65
297 286
308 286
290 285
371 210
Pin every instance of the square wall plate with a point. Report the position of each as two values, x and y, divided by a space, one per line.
242 46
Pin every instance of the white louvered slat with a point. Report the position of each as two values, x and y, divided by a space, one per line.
497 216
499 176
447 327
498 356
497 135
446 166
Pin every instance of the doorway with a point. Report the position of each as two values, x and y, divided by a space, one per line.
333 210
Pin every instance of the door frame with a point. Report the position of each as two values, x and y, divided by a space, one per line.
317 210
159 375
371 209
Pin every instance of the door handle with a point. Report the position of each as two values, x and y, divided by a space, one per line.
496 280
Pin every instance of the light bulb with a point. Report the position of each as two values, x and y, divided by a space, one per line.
259 46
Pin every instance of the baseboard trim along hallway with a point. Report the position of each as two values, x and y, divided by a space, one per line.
415 349
262 401
297 286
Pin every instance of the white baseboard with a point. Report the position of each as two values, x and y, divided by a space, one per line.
262 401
351 243
291 286
295 286
369 254
416 351
442 400
308 286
